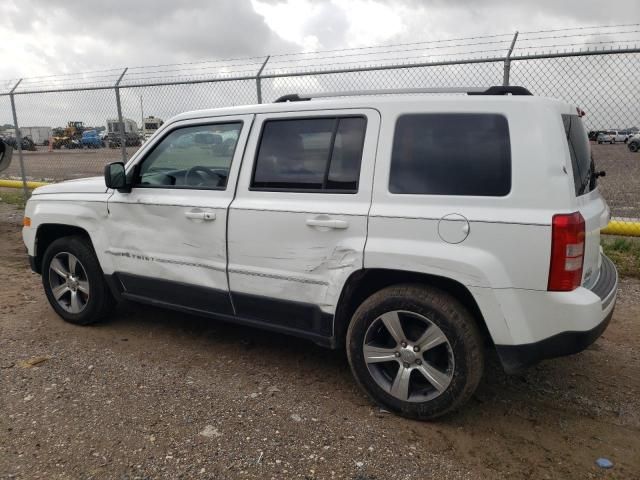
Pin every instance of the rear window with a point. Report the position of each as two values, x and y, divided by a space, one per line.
451 154
580 152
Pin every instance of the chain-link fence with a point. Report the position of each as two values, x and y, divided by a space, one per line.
65 131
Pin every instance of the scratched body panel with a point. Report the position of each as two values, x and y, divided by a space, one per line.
306 264
159 241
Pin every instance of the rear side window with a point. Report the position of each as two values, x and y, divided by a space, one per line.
451 154
311 154
581 162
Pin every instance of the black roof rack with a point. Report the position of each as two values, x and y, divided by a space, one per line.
503 90
292 97
495 90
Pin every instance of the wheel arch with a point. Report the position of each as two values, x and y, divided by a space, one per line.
361 284
47 233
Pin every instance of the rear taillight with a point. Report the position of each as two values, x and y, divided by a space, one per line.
567 252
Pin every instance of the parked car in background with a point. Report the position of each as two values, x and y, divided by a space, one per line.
605 137
619 136
593 134
91 139
634 143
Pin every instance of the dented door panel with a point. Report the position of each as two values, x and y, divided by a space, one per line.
299 246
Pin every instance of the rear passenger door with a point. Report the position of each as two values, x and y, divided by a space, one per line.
298 223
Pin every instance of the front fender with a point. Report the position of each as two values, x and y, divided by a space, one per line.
86 214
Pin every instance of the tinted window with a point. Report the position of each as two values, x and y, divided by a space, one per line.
451 154
191 157
580 152
346 157
322 154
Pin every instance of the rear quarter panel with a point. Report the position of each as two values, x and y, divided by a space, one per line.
509 240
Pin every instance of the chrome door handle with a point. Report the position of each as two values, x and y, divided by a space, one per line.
199 215
329 223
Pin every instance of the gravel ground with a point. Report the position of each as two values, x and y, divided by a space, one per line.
154 395
621 186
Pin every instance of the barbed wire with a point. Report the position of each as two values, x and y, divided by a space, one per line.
583 28
359 57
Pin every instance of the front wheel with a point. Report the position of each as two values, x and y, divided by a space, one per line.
415 350
74 283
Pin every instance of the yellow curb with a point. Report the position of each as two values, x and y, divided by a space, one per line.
620 227
18 184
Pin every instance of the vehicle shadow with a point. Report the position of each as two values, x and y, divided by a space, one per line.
168 333
199 335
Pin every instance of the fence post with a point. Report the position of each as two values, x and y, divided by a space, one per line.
507 61
123 137
25 191
258 83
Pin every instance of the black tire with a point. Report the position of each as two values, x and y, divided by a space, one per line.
454 321
100 301
633 146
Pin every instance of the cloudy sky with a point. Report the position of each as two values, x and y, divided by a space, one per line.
47 37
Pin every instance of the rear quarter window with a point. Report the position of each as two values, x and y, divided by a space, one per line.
451 154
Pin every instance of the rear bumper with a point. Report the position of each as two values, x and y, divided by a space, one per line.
516 358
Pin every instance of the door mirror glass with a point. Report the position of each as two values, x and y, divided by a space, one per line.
115 176
6 152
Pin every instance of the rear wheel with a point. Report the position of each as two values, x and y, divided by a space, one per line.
633 146
415 350
74 283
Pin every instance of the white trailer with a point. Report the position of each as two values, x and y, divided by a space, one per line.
150 125
113 126
39 135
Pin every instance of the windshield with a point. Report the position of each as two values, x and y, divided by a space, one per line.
580 151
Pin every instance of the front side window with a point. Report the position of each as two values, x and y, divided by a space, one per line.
312 154
196 157
451 154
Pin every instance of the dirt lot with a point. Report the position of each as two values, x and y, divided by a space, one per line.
621 186
154 394
65 164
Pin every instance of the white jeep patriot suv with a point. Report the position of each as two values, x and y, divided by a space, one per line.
415 231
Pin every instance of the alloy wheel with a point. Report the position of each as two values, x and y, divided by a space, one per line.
408 356
69 283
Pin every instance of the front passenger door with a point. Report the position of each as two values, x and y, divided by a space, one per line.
167 237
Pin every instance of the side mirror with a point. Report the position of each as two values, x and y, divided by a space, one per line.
6 152
115 176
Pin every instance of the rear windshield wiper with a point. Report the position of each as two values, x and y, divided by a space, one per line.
591 176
